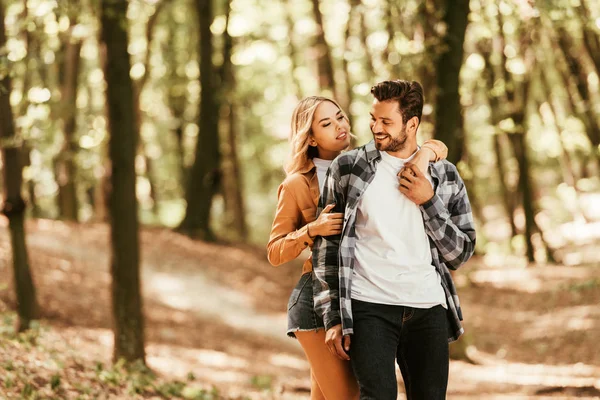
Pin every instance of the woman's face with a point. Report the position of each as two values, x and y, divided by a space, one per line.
330 131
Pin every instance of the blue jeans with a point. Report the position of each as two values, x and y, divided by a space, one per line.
301 314
415 338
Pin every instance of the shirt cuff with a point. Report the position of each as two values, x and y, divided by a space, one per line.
433 208
332 319
304 237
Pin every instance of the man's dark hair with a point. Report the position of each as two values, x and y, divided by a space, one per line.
409 96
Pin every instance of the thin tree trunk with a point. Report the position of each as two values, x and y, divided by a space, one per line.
426 69
293 49
566 162
591 40
14 206
138 88
359 8
65 164
496 116
205 172
507 196
348 81
518 144
577 72
232 176
324 62
448 126
126 291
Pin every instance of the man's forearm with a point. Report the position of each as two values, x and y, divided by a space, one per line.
453 235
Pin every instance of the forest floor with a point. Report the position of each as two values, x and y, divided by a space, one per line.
215 322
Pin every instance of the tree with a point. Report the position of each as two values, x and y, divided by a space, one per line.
448 121
232 174
65 162
324 62
205 174
126 293
14 206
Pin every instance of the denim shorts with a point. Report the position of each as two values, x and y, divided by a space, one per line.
301 314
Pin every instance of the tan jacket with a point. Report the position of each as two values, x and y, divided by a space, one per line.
298 197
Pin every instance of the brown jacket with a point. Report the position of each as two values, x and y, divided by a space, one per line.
298 197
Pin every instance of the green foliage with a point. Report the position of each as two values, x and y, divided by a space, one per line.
264 382
55 382
584 286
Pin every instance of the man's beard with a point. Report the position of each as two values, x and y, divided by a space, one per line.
395 144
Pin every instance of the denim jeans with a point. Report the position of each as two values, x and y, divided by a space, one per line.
301 314
415 338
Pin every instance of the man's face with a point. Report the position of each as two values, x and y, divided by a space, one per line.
387 127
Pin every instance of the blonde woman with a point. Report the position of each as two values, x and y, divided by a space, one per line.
320 132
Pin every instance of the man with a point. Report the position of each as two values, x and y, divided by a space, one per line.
383 286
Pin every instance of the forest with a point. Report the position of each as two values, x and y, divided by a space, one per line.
142 144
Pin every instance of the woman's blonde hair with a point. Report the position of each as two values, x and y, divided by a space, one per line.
302 119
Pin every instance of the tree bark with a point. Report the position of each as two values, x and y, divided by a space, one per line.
14 206
65 165
359 8
577 72
591 40
293 49
499 136
232 174
138 88
324 61
123 208
448 127
518 144
205 173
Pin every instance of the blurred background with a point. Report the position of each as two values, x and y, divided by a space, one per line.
143 143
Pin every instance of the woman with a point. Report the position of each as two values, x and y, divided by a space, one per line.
320 132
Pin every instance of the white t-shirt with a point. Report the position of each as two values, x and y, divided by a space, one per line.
322 167
393 262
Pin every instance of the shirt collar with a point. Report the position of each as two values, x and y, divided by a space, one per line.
308 166
371 151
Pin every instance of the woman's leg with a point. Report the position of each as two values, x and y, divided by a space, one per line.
333 375
315 390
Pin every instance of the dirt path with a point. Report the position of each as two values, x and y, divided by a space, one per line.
219 312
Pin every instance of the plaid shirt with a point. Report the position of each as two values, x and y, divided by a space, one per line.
448 224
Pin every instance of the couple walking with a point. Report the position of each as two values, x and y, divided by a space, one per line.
386 222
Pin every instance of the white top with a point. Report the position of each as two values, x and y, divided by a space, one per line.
322 167
393 262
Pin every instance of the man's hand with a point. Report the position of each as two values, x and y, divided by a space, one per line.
414 185
333 340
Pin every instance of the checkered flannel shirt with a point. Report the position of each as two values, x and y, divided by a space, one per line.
448 224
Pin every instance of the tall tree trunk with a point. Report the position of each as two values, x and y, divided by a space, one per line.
426 69
348 81
232 174
507 196
566 162
496 116
448 126
324 62
519 147
65 161
369 63
205 173
591 40
125 263
579 74
14 206
293 49
138 88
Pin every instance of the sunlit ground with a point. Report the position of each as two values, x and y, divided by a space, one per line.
219 313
